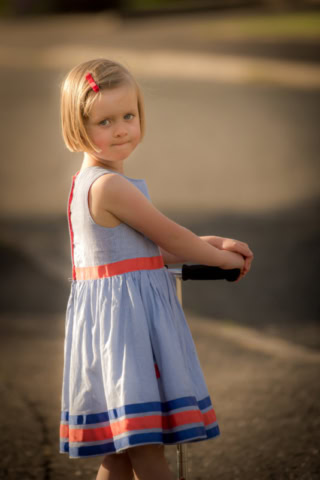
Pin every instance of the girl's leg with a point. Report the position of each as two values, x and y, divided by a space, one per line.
115 467
149 462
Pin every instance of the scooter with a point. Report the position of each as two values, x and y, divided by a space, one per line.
195 272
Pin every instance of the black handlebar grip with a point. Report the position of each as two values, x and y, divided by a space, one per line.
204 272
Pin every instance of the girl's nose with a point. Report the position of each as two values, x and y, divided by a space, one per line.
120 130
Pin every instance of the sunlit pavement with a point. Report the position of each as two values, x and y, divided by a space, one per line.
182 52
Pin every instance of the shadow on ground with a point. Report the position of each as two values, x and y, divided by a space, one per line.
279 295
30 252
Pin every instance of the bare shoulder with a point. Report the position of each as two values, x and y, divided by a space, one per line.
118 196
110 181
110 186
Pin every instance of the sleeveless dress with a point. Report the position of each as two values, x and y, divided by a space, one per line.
131 372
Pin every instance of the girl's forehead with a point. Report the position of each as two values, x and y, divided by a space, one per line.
112 101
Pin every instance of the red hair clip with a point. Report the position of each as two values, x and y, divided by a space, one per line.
92 83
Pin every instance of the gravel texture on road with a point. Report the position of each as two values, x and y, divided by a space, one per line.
267 407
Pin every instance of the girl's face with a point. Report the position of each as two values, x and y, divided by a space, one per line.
114 125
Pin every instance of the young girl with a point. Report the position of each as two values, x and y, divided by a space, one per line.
132 381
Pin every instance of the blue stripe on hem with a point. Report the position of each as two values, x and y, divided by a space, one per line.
90 450
64 447
135 408
205 403
213 432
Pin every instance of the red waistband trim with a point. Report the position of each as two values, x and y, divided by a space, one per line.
117 268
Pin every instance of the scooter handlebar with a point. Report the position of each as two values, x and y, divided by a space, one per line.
204 272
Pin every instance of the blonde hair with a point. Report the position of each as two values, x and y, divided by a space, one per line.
78 97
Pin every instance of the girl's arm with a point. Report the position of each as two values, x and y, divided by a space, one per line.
219 242
169 258
118 196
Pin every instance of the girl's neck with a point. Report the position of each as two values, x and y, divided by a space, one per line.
90 161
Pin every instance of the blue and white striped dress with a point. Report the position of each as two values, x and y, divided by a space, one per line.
131 372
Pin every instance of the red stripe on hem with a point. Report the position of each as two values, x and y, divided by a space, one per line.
134 424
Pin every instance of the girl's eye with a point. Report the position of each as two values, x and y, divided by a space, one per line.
105 122
129 116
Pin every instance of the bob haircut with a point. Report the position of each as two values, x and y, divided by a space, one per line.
78 97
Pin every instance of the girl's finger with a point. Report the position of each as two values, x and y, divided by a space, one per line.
247 264
241 248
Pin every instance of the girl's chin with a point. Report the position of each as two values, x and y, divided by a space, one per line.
117 154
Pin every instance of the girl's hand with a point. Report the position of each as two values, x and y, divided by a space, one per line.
235 246
239 247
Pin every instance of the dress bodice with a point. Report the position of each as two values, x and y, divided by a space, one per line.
94 244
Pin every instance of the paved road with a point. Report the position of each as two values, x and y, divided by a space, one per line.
234 158
266 401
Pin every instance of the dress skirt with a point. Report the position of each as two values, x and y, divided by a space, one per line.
131 371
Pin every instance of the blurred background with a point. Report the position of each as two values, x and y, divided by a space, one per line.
232 92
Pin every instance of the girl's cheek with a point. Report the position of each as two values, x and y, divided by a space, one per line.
101 138
137 132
